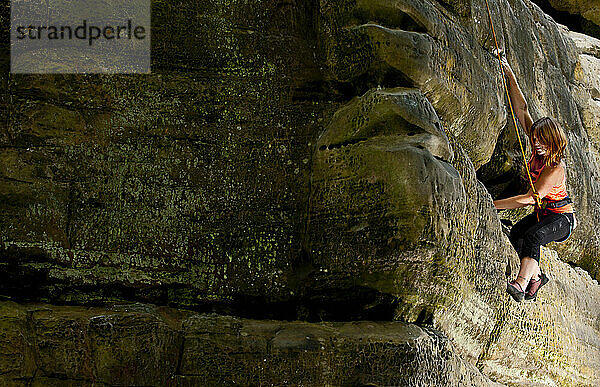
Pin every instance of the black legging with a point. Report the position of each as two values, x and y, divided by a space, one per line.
527 235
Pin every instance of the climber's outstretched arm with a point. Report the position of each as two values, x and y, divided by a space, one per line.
517 98
550 177
515 201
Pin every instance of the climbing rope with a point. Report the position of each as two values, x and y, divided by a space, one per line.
536 196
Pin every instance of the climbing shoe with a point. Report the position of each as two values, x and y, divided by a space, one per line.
534 286
515 290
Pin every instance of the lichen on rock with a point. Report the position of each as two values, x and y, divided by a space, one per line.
327 162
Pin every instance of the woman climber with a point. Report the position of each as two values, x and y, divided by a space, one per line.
553 218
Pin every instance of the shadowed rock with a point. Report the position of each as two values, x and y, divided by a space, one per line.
144 345
316 160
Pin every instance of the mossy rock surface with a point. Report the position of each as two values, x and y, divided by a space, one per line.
141 344
323 161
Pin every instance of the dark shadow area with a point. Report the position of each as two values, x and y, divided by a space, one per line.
574 22
23 279
346 304
501 184
380 75
500 181
338 91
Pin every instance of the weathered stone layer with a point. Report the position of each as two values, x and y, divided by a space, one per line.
139 344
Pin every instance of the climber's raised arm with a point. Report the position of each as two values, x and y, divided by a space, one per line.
517 98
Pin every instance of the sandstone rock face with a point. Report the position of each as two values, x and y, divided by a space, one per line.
346 169
323 161
561 327
140 344
387 211
188 185
424 45
132 346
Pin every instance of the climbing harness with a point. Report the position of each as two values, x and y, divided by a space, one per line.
546 203
536 196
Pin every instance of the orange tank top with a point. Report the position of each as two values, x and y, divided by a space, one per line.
558 192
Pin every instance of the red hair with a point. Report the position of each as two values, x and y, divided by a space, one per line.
550 134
